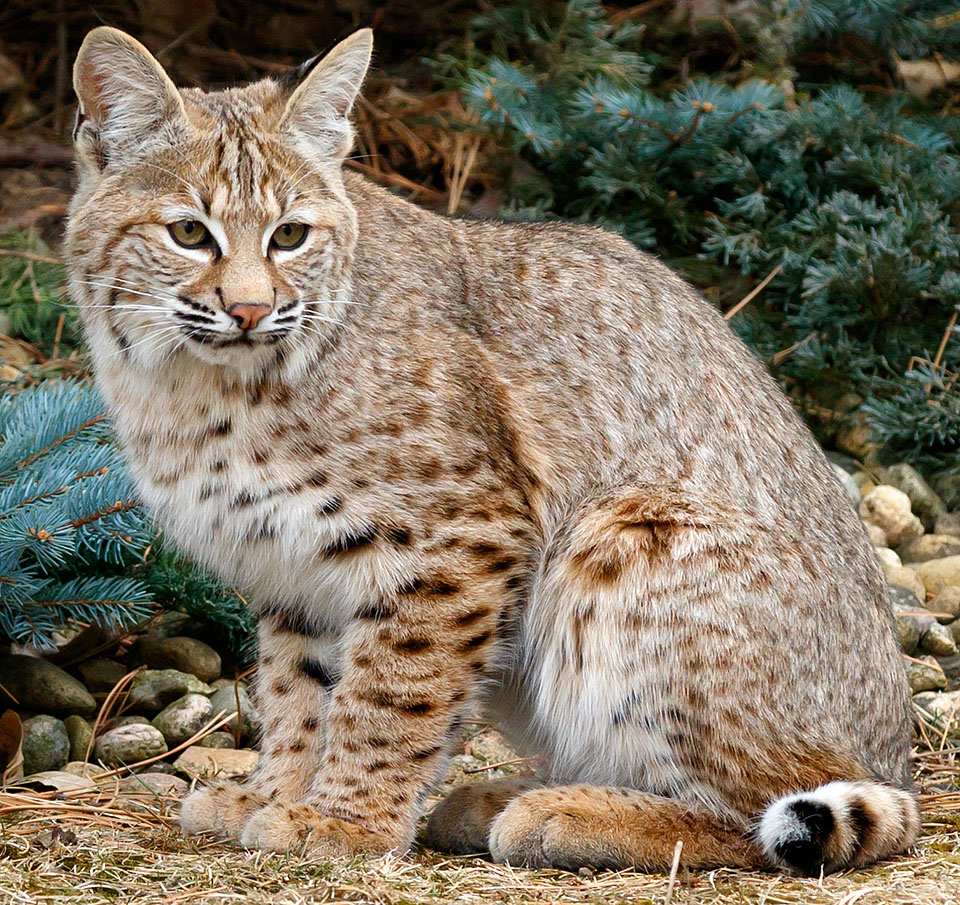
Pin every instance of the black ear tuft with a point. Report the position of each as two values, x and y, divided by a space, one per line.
290 80
81 118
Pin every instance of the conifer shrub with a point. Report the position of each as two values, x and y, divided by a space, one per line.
839 198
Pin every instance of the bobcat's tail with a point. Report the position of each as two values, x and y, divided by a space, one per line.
839 824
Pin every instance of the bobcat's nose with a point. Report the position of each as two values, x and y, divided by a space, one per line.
248 316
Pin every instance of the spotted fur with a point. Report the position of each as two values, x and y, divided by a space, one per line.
451 460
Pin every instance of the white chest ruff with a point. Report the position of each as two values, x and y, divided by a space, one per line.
266 528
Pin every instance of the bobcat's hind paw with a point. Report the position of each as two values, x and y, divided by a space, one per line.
461 823
220 810
301 827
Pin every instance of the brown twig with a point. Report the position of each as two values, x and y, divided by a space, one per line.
943 344
462 166
58 335
503 763
105 709
750 296
63 439
27 256
640 9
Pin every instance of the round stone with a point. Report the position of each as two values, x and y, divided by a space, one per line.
849 485
924 674
948 524
153 689
80 732
930 546
100 675
41 687
131 719
937 640
908 632
157 782
46 745
222 740
943 708
188 655
923 499
937 574
948 602
888 559
214 763
129 744
183 718
905 577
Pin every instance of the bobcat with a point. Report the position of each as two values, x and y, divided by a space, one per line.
453 461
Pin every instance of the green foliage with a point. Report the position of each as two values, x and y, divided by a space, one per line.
849 200
31 297
177 585
70 523
909 28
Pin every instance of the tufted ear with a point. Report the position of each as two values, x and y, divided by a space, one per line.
124 93
317 114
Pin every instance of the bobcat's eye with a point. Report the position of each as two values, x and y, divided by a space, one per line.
190 233
289 235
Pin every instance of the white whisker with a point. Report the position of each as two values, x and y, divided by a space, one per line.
149 295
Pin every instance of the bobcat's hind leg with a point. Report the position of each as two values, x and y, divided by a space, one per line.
569 827
292 692
461 823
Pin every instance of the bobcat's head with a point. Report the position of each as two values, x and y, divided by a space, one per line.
217 223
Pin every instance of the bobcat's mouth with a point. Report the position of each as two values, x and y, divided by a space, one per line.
200 325
216 340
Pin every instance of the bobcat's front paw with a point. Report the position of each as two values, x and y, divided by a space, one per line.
301 827
221 810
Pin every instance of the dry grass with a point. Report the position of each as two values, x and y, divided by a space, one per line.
155 866
108 847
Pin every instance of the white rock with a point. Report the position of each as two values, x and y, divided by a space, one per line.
129 744
155 784
888 558
183 718
889 509
876 535
904 577
936 639
937 574
216 763
924 501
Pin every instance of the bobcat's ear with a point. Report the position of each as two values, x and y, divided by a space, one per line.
317 114
124 93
